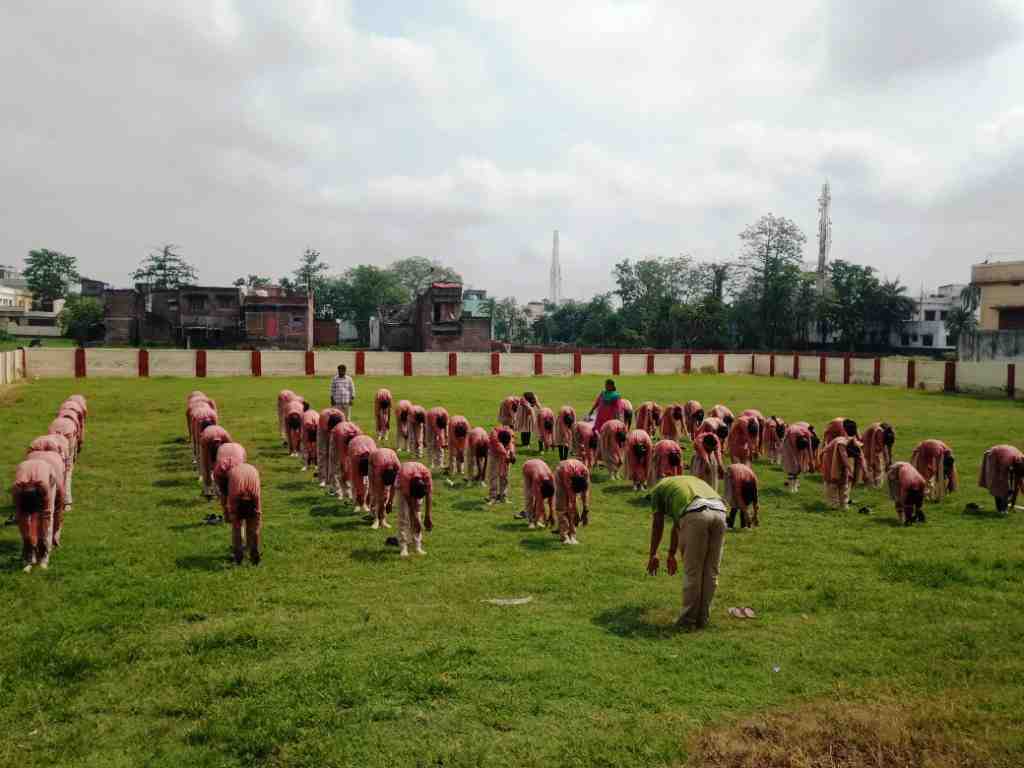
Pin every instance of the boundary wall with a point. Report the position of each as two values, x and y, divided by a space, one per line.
977 377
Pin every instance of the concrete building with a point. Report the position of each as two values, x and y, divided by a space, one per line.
926 331
284 321
441 319
190 316
1001 285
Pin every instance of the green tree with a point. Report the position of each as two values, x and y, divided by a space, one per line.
50 274
511 323
164 268
772 253
648 288
252 281
959 321
311 271
417 273
81 319
359 293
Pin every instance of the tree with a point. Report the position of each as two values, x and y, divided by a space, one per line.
359 293
81 319
164 269
311 271
772 253
510 321
648 289
958 322
50 274
252 281
417 273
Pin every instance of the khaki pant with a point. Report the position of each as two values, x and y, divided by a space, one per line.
497 479
701 535
345 409
406 537
838 494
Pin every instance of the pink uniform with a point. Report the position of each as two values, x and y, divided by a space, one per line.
245 511
359 449
564 426
202 416
878 441
546 428
775 433
612 442
56 444
1002 475
934 460
639 452
283 398
417 430
585 443
627 413
59 505
210 441
842 463
67 429
384 469
416 492
478 445
693 417
329 419
762 423
458 437
667 460
907 490
572 481
507 411
310 430
501 453
337 462
743 439
797 455
673 425
648 418
229 456
741 496
714 426
382 413
526 414
436 436
707 462
840 426
538 493
613 410
293 415
722 412
36 495
403 413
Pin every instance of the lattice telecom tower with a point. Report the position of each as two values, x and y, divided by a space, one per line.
555 288
824 234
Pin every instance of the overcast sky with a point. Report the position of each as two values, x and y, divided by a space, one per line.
468 130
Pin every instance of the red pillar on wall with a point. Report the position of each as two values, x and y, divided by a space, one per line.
310 363
822 369
1011 379
846 369
453 364
615 364
650 363
878 372
796 366
771 365
538 363
256 362
577 363
495 364
407 363
911 374
201 363
79 363
949 383
721 363
144 363
360 363
687 362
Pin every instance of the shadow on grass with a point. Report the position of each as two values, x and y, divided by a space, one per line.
515 525
891 522
171 483
631 621
190 502
352 524
982 513
640 500
469 505
174 441
543 542
617 490
327 509
182 527
367 555
202 562
10 547
295 485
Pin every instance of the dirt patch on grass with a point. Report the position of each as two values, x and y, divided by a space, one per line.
855 735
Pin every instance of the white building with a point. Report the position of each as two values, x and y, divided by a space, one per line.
927 328
534 310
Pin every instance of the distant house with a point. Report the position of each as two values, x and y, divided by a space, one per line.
442 319
926 330
190 316
274 319
19 316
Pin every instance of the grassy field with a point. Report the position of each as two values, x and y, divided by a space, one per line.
143 645
48 343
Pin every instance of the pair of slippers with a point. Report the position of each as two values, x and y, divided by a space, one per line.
742 613
212 519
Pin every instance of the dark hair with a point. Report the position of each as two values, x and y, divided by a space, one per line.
609 383
481 451
815 442
698 415
204 423
388 475
915 497
888 434
222 484
850 427
620 436
311 433
342 367
722 431
748 491
578 483
460 429
418 488
852 449
948 460
752 428
403 415
709 441
385 402
677 411
30 500
504 436
549 423
441 421
656 414
547 488
675 458
780 429
593 442
334 420
530 398
294 420
364 465
639 450
567 419
802 443
728 419
419 417
245 507
305 406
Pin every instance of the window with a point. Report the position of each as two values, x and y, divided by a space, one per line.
929 314
913 338
196 303
224 301
927 340
906 340
943 314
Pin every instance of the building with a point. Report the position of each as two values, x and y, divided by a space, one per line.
14 291
926 330
441 319
275 319
534 310
190 316
1001 288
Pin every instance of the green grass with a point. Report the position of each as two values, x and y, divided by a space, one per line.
48 343
143 645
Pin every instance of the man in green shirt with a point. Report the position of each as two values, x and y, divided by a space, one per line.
698 529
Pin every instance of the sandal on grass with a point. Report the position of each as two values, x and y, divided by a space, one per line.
736 613
748 613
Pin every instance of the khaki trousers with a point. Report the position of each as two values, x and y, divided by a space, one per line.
701 535
406 537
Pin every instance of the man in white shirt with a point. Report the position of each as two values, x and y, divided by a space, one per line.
343 392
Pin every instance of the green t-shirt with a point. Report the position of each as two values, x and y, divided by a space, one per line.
673 495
